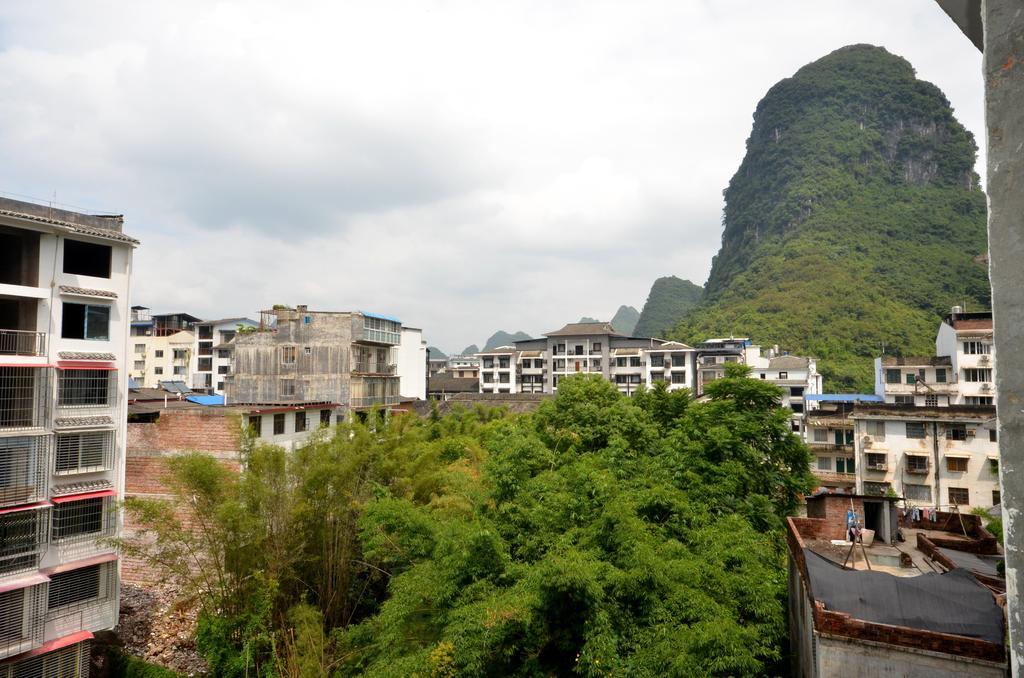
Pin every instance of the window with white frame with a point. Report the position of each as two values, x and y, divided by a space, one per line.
977 348
875 429
86 388
83 452
83 519
820 435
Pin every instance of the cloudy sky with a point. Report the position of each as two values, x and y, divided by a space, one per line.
465 165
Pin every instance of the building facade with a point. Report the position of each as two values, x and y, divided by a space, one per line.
214 352
162 347
64 327
411 363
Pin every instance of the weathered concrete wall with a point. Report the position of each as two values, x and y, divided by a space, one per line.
1004 122
840 658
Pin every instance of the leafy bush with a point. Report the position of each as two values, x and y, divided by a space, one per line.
120 665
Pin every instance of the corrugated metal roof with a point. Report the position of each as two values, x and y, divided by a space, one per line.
381 317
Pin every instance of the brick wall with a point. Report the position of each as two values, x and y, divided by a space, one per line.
146 471
832 509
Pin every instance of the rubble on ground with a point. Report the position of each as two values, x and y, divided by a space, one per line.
158 625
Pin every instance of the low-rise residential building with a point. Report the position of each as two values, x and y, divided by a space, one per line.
797 376
214 351
64 329
828 432
933 456
929 606
162 346
443 386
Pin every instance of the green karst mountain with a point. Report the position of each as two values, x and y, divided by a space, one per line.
470 350
435 353
499 338
625 319
669 301
854 220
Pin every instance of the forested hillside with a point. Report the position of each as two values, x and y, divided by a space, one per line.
625 319
854 220
667 304
602 535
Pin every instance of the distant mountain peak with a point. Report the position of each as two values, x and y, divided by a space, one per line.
669 301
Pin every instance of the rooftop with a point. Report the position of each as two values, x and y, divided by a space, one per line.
913 412
108 226
788 361
445 383
585 329
922 361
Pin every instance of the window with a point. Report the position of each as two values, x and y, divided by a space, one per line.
503 378
22 535
596 347
140 348
595 363
917 463
308 350
876 429
279 424
620 379
179 370
224 353
74 586
180 354
763 375
993 466
634 378
657 360
288 388
915 429
958 496
679 361
956 432
931 401
940 376
876 461
220 385
876 489
978 400
635 362
300 422
84 518
796 391
783 375
288 354
205 365
579 349
85 321
159 353
911 378
158 370
956 464
824 463
992 435
904 400
83 452
917 492
820 435
256 424
488 377
139 365
325 417
222 369
620 362
679 377
84 388
974 374
503 363
488 363
996 499
977 348
845 465
86 258
892 376
559 349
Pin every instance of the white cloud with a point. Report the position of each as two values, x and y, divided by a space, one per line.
468 166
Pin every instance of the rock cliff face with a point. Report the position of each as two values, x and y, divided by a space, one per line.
852 220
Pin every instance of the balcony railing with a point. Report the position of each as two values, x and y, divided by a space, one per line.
24 398
84 391
22 342
22 617
370 401
371 367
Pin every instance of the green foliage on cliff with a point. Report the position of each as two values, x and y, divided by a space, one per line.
625 319
602 535
668 303
854 220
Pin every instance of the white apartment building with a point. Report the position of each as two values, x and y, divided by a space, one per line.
933 456
828 432
214 350
797 376
967 339
411 360
64 327
162 347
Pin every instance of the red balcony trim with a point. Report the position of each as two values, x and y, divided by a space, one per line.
26 507
84 365
78 564
52 646
86 495
24 582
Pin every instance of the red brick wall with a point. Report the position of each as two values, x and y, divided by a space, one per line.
146 472
832 509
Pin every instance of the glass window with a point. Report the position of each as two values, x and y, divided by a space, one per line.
300 422
75 586
940 376
279 424
824 463
956 464
85 321
596 348
917 492
956 432
783 375
820 435
992 435
635 362
657 360
917 464
911 378
159 353
892 376
959 496
325 417
256 424
915 429
996 499
86 258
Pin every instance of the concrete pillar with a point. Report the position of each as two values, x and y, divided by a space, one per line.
1004 122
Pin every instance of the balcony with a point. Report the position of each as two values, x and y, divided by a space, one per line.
23 468
22 342
379 336
381 400
372 367
24 398
834 477
82 596
23 615
820 448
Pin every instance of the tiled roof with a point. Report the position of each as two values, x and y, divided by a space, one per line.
82 422
80 487
582 329
498 350
73 228
82 355
787 361
87 292
444 383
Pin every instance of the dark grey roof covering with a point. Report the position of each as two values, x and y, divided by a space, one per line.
445 383
97 225
788 362
983 565
896 361
86 355
581 329
951 602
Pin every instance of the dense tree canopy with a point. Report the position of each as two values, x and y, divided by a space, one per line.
602 535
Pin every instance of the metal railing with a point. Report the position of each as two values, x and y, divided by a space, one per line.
22 342
24 397
370 401
83 452
68 662
373 367
24 461
23 537
86 390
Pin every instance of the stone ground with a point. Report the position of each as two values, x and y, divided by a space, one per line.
158 626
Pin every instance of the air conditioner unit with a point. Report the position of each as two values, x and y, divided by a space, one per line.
866 441
986 387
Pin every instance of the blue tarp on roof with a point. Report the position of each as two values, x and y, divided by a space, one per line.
845 397
205 399
132 384
382 317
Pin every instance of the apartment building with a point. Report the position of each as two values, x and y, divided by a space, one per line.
537 365
411 364
162 347
300 360
214 351
967 339
64 326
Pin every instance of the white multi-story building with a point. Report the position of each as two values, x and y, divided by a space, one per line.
215 351
967 339
162 347
797 376
64 325
411 360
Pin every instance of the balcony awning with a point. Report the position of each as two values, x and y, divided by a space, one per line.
30 579
53 646
79 564
993 457
87 495
957 455
26 507
918 454
85 365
